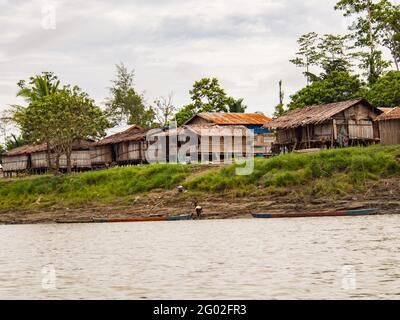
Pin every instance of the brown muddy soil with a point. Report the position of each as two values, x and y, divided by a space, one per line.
384 195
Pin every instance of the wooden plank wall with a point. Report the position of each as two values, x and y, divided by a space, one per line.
390 132
15 163
101 155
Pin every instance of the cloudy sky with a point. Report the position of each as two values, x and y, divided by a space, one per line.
170 44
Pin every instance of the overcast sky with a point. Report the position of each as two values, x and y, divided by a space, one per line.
246 44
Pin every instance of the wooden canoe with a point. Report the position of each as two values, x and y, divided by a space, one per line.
118 220
180 217
136 219
347 213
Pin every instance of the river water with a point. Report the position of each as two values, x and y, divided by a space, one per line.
317 258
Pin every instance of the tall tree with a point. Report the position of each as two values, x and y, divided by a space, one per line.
125 105
386 91
38 86
335 55
366 34
61 118
308 54
387 16
208 96
35 90
335 87
164 110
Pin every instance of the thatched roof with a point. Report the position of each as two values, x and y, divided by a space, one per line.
314 114
232 118
134 133
392 114
30 148
27 149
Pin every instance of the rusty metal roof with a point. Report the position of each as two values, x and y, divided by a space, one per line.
314 114
233 118
134 133
209 130
392 114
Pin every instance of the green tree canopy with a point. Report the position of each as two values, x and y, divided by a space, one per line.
125 105
38 86
208 96
335 87
61 118
365 30
386 91
14 141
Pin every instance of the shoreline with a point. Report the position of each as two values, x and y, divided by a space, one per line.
214 207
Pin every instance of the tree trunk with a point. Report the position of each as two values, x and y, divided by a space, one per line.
48 155
69 166
57 165
372 66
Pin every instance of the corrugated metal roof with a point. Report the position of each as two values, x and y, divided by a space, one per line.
209 130
392 114
313 114
134 133
233 118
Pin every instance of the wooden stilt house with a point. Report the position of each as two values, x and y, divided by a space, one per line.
127 147
389 126
341 124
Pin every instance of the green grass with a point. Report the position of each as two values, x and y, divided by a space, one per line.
326 173
103 186
330 173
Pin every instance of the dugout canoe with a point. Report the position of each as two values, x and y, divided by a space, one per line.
136 219
346 213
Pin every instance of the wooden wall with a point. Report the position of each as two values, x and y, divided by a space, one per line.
15 163
80 159
39 160
101 155
390 132
130 151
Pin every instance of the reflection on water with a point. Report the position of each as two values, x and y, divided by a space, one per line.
227 259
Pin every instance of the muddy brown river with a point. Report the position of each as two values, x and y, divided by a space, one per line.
317 258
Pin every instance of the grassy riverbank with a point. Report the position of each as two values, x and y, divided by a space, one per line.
331 174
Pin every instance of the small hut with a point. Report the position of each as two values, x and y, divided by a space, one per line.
18 160
340 124
127 147
202 143
34 159
263 138
389 126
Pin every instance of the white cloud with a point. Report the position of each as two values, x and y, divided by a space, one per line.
170 44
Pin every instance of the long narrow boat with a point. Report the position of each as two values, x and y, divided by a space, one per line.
347 213
136 219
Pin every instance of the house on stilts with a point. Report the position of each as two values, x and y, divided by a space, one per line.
341 124
389 126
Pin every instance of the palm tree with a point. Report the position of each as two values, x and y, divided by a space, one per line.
237 106
14 142
39 87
